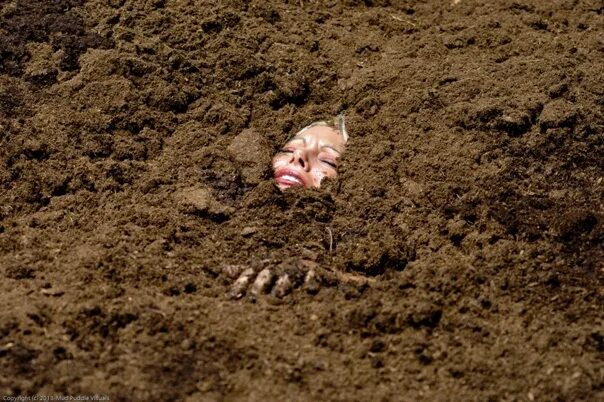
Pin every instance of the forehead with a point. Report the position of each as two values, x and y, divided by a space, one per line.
324 135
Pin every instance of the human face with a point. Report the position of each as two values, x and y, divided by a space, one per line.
308 157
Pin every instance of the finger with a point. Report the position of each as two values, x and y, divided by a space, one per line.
282 287
240 286
263 282
233 271
312 284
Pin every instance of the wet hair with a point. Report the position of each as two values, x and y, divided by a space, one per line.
338 124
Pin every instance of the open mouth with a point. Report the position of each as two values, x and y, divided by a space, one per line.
289 178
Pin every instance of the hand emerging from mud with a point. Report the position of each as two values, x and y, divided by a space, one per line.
311 155
280 280
277 280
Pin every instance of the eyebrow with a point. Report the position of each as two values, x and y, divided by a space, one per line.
297 138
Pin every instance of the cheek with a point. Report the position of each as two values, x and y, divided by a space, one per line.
279 160
319 174
330 173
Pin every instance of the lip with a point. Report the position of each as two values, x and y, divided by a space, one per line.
287 177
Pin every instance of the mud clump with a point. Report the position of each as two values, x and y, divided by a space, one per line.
251 151
200 201
558 114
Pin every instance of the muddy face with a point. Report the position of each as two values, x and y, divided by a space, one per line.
308 157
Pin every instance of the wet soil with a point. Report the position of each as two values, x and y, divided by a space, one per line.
135 140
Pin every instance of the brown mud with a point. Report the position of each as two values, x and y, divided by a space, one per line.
135 145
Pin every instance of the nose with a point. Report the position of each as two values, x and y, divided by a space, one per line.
301 159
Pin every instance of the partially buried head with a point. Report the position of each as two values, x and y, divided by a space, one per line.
311 155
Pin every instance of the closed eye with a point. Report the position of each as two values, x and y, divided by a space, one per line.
330 163
287 150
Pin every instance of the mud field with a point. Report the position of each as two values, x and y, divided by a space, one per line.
458 255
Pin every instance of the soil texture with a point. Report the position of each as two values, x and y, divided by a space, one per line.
460 248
